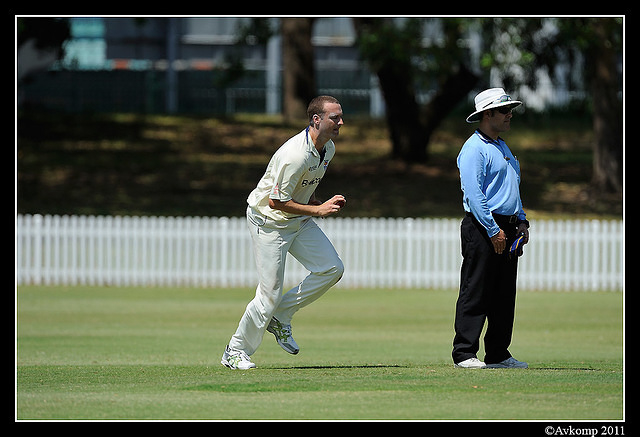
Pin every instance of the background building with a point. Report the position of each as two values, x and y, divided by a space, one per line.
182 65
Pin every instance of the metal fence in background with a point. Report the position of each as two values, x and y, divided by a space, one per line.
377 252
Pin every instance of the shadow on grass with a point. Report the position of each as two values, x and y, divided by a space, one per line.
356 366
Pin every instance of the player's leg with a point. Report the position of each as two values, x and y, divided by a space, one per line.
316 253
270 250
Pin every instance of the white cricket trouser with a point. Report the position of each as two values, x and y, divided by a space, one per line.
311 247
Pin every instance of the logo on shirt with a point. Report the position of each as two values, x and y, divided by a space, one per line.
313 181
326 163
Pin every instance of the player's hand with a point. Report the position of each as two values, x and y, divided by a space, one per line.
332 205
499 241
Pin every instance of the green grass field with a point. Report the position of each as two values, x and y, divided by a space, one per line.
100 353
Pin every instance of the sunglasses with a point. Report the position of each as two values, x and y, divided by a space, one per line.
504 110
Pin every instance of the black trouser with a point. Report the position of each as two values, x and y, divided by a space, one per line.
487 291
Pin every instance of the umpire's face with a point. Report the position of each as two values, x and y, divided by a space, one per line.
500 119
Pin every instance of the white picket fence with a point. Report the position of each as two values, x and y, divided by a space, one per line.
377 252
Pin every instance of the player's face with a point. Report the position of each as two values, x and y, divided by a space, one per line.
331 121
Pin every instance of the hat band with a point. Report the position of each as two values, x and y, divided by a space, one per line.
501 99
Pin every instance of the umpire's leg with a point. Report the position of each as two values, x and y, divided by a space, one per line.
501 311
475 278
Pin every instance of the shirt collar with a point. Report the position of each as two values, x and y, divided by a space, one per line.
486 138
312 147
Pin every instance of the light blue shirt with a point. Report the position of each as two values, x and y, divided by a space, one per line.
490 180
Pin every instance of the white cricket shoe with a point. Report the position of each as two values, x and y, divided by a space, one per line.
471 363
283 336
235 359
509 363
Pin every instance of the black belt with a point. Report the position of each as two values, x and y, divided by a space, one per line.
506 218
500 217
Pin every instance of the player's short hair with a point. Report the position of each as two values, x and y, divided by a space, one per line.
316 106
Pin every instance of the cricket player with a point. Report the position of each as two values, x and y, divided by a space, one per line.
279 216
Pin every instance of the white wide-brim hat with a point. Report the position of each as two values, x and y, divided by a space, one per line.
489 99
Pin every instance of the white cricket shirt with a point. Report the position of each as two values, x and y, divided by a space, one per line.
294 172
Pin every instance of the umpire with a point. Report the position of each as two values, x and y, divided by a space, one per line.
492 233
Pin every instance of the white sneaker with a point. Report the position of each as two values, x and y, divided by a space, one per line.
235 359
509 363
283 336
471 363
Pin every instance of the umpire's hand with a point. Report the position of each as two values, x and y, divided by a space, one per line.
499 241
522 229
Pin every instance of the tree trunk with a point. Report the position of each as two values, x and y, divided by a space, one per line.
455 88
410 126
395 74
408 136
298 71
607 113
